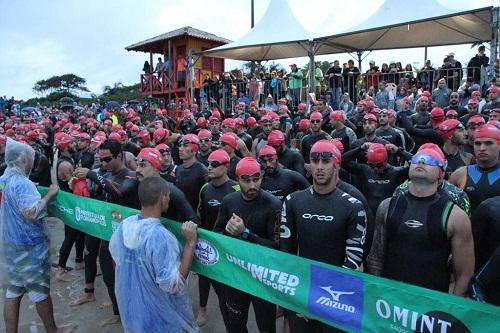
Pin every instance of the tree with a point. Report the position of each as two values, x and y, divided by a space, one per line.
70 83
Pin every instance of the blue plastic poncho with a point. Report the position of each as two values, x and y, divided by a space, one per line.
152 294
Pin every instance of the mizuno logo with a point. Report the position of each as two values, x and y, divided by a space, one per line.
414 224
336 294
317 217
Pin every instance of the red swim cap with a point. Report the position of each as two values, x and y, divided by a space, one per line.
327 146
377 153
488 131
151 155
276 138
247 166
267 150
220 155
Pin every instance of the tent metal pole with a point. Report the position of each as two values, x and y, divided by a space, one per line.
359 53
425 54
312 67
495 26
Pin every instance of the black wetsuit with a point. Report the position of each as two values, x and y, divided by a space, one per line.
416 230
330 228
179 208
132 148
119 188
456 161
84 159
485 223
208 209
247 139
203 159
361 156
283 182
169 173
482 184
376 187
231 172
420 135
40 173
390 135
190 180
3 166
292 160
261 217
485 286
71 235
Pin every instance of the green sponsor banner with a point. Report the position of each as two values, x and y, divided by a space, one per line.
352 301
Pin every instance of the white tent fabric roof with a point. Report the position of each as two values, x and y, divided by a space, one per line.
277 35
396 25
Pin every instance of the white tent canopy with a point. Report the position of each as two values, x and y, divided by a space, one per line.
424 24
277 35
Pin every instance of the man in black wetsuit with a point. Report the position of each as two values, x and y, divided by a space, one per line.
486 229
387 132
149 165
64 173
83 156
324 222
378 179
205 137
229 143
454 136
211 196
415 233
168 167
482 180
290 159
119 185
485 287
252 215
279 181
370 124
191 174
266 123
316 135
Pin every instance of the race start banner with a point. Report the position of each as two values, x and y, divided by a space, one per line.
352 301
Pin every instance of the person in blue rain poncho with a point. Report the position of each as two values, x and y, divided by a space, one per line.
24 240
151 271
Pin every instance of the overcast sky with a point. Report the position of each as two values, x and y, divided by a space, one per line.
40 39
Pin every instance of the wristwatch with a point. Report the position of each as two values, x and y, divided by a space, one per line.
245 234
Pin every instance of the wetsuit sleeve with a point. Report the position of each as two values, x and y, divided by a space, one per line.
300 181
119 190
298 164
376 258
486 281
404 154
272 226
479 224
179 202
200 212
356 237
223 217
349 164
288 232
428 133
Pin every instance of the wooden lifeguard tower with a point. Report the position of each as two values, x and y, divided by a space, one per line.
178 47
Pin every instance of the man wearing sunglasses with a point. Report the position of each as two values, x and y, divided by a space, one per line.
317 134
168 167
472 125
324 222
416 233
290 159
454 136
482 180
119 185
266 123
279 181
252 215
211 196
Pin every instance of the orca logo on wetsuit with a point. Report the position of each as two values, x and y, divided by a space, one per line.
327 218
414 224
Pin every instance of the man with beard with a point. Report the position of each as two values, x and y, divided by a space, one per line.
370 123
387 132
454 136
340 131
472 110
239 129
316 135
229 144
83 156
168 167
279 181
191 174
290 159
482 180
253 216
260 141
420 230
205 146
421 117
324 222
454 105
211 196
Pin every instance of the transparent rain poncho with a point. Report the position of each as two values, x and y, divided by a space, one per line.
22 212
152 294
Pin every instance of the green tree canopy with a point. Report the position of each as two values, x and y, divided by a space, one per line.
69 83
